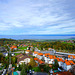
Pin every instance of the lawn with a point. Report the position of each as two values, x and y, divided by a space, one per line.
22 48
67 43
17 54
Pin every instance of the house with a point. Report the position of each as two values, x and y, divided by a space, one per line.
30 47
45 57
35 53
38 61
66 65
71 62
60 62
28 52
40 55
49 48
13 47
23 59
51 59
71 57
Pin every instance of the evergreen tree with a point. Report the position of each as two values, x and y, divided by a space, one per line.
55 65
23 71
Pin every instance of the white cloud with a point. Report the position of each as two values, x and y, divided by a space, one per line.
49 15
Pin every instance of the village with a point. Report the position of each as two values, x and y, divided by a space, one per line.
38 62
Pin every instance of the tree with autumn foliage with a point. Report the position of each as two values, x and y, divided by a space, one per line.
32 62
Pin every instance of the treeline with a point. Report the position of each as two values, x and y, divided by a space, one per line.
57 45
4 39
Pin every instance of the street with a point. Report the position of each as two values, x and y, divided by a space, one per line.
39 73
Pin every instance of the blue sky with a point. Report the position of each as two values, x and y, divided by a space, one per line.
25 17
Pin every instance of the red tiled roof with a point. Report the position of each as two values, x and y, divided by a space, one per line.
35 58
13 47
40 54
67 63
70 61
47 54
27 50
35 52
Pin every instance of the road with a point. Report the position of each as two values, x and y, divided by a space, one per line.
47 52
64 53
39 73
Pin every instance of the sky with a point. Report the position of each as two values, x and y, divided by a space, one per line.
25 17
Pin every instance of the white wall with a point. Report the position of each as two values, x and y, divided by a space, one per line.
66 67
27 60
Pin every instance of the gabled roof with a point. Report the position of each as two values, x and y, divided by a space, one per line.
39 61
52 57
27 50
67 63
35 52
71 56
40 54
59 59
35 58
47 54
13 47
70 61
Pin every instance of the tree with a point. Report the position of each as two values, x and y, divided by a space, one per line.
23 71
24 68
46 68
1 56
32 62
55 65
14 60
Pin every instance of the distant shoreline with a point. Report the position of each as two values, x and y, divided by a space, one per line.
40 37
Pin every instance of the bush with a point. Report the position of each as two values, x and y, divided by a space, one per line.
36 69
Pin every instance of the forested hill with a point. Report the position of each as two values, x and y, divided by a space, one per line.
4 39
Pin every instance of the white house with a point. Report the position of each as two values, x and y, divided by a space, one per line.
66 65
35 53
51 59
60 62
46 57
23 59
40 55
26 60
27 51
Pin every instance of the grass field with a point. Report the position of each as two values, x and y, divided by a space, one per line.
67 43
22 48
